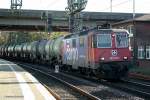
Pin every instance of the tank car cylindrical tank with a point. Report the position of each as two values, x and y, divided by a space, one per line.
16 50
13 50
21 52
28 50
33 50
2 50
55 47
24 49
53 50
9 48
47 50
6 49
19 48
41 49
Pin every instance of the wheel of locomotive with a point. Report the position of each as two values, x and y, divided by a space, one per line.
123 70
81 70
64 68
88 71
105 72
117 71
93 72
69 68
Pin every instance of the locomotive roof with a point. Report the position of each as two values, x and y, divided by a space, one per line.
115 30
76 34
95 29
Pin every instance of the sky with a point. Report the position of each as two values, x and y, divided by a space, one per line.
141 6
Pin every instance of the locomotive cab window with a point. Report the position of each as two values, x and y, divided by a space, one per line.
104 41
121 40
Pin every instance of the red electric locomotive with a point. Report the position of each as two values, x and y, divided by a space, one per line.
102 52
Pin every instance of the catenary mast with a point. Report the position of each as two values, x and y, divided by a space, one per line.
74 8
16 4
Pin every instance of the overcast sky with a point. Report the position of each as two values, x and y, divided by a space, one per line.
141 6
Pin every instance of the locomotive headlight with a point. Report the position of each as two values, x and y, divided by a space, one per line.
125 58
113 35
102 58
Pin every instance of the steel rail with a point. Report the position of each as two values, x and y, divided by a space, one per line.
84 93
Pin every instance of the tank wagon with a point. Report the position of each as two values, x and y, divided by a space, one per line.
101 52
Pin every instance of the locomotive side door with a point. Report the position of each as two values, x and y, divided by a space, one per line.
90 51
82 51
74 53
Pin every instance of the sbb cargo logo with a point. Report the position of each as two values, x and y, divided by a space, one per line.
114 52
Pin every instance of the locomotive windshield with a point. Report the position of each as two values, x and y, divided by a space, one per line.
121 40
104 41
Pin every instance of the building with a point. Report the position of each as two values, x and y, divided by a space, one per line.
139 32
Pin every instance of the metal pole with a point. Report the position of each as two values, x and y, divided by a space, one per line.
71 23
133 9
135 47
16 4
111 6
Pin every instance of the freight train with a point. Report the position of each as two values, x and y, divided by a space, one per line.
101 52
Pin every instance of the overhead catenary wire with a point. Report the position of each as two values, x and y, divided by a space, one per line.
116 5
54 2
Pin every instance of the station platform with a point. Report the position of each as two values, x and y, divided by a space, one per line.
18 84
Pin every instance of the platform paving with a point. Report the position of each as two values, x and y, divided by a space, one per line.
18 84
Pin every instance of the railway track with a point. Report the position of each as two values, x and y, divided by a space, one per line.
137 83
132 87
62 89
139 88
135 87
139 77
89 86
